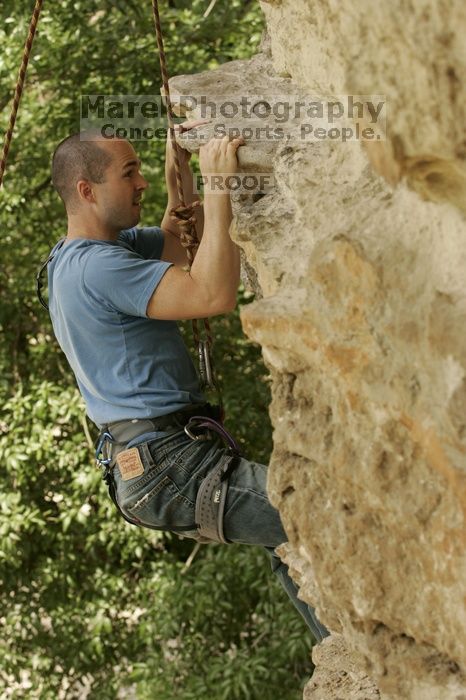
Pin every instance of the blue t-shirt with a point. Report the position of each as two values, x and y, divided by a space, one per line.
126 364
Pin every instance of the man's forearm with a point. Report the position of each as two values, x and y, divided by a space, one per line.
217 262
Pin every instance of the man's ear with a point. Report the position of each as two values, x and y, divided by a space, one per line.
85 191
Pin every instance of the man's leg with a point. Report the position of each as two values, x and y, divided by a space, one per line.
164 497
250 518
280 569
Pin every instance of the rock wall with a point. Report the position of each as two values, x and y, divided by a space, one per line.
358 258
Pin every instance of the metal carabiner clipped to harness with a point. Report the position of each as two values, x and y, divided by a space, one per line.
208 382
205 366
99 455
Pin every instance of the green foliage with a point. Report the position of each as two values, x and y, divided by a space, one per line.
88 598
91 606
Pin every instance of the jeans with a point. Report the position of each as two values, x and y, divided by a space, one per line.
163 497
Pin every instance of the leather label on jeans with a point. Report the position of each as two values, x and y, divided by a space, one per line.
130 464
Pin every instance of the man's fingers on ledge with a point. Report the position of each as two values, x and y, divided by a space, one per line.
192 124
237 142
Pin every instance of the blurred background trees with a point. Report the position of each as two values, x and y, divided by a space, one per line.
92 607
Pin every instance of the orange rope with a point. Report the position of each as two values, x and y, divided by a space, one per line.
19 86
183 214
186 214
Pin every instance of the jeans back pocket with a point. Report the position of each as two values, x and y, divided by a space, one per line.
156 497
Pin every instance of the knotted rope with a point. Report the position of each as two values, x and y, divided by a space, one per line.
183 214
19 86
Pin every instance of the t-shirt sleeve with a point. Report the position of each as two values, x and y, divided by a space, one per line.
147 242
122 280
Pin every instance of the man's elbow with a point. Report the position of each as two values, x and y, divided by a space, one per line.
231 305
224 306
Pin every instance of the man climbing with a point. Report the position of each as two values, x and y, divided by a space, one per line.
115 294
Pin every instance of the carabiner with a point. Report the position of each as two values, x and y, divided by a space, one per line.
193 436
207 374
206 370
99 458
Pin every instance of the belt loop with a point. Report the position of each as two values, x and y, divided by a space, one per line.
143 448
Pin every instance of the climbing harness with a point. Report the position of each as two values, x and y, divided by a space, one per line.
211 496
211 499
212 493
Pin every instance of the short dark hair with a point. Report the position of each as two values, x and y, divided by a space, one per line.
78 157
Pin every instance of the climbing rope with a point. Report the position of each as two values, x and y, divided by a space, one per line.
19 86
183 214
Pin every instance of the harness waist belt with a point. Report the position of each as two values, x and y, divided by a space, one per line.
123 431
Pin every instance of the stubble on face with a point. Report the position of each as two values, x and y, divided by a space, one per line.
119 193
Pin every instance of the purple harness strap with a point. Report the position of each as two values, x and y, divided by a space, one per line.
212 493
211 424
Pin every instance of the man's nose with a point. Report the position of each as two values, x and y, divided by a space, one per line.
142 184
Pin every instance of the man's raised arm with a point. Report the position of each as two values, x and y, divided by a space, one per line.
173 251
210 287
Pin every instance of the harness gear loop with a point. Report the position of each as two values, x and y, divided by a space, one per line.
184 215
19 86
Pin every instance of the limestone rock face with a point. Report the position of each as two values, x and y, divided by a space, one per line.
358 258
413 52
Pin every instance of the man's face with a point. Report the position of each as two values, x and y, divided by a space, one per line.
117 200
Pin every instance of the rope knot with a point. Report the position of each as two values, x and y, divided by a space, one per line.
185 212
183 215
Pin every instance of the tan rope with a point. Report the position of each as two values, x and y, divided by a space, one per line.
183 213
19 86
186 213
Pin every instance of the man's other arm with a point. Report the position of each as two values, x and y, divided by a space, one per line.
211 285
173 251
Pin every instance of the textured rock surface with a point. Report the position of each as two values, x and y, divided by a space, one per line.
359 260
337 674
413 52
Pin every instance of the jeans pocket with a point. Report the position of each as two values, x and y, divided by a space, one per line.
181 452
164 497
160 503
